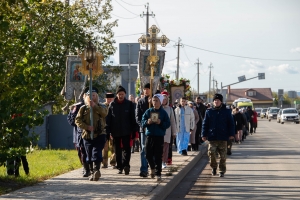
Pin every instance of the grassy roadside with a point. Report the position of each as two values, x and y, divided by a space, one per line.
43 164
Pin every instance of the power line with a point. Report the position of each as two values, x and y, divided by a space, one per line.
132 4
124 17
128 35
186 55
126 8
225 54
171 60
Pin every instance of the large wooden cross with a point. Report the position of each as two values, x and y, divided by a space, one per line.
153 40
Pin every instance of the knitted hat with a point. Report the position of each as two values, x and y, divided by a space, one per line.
160 97
165 92
218 96
109 95
120 89
147 85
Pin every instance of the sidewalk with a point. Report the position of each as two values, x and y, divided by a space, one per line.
111 185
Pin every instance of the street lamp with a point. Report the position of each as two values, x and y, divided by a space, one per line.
90 57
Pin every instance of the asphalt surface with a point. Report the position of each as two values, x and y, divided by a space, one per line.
264 166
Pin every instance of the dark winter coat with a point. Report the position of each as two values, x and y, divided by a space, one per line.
239 121
141 108
218 124
120 120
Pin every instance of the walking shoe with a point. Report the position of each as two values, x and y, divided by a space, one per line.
221 174
144 174
229 153
158 178
214 171
164 165
184 153
120 171
95 176
152 173
126 170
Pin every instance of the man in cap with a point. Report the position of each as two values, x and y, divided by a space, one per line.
109 97
121 125
155 121
93 146
141 107
218 126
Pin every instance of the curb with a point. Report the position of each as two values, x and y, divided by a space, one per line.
162 191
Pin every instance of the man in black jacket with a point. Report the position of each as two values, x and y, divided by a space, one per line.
201 112
141 107
120 123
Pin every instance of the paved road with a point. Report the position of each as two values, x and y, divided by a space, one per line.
265 166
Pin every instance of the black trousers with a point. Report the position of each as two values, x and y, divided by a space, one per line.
81 154
13 165
123 151
251 126
170 149
154 151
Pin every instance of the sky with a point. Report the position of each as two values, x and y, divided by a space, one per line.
262 36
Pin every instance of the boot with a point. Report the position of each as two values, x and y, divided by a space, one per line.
137 146
96 172
152 173
91 168
87 171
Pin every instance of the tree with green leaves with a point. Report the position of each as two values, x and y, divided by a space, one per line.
35 37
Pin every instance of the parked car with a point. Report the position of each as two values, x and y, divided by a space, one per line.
272 113
268 109
288 115
258 110
263 113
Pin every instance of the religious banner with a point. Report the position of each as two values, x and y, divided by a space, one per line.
176 88
177 92
74 79
145 69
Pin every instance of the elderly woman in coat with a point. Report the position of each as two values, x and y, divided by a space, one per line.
193 132
170 131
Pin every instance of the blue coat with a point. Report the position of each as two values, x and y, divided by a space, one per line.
156 129
218 124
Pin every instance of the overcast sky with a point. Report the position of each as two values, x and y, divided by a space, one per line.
266 29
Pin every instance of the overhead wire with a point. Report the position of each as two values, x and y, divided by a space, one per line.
124 17
128 35
126 8
225 54
132 4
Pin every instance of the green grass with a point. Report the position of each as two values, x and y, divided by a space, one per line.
43 164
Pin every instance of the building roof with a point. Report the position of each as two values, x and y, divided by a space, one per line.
262 94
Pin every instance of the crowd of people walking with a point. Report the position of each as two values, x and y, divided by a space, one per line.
152 127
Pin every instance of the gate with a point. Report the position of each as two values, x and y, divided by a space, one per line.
59 132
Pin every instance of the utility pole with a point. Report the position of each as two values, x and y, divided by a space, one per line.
129 62
213 84
178 45
198 75
210 66
147 20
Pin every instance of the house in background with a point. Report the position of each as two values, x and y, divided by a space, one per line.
261 97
